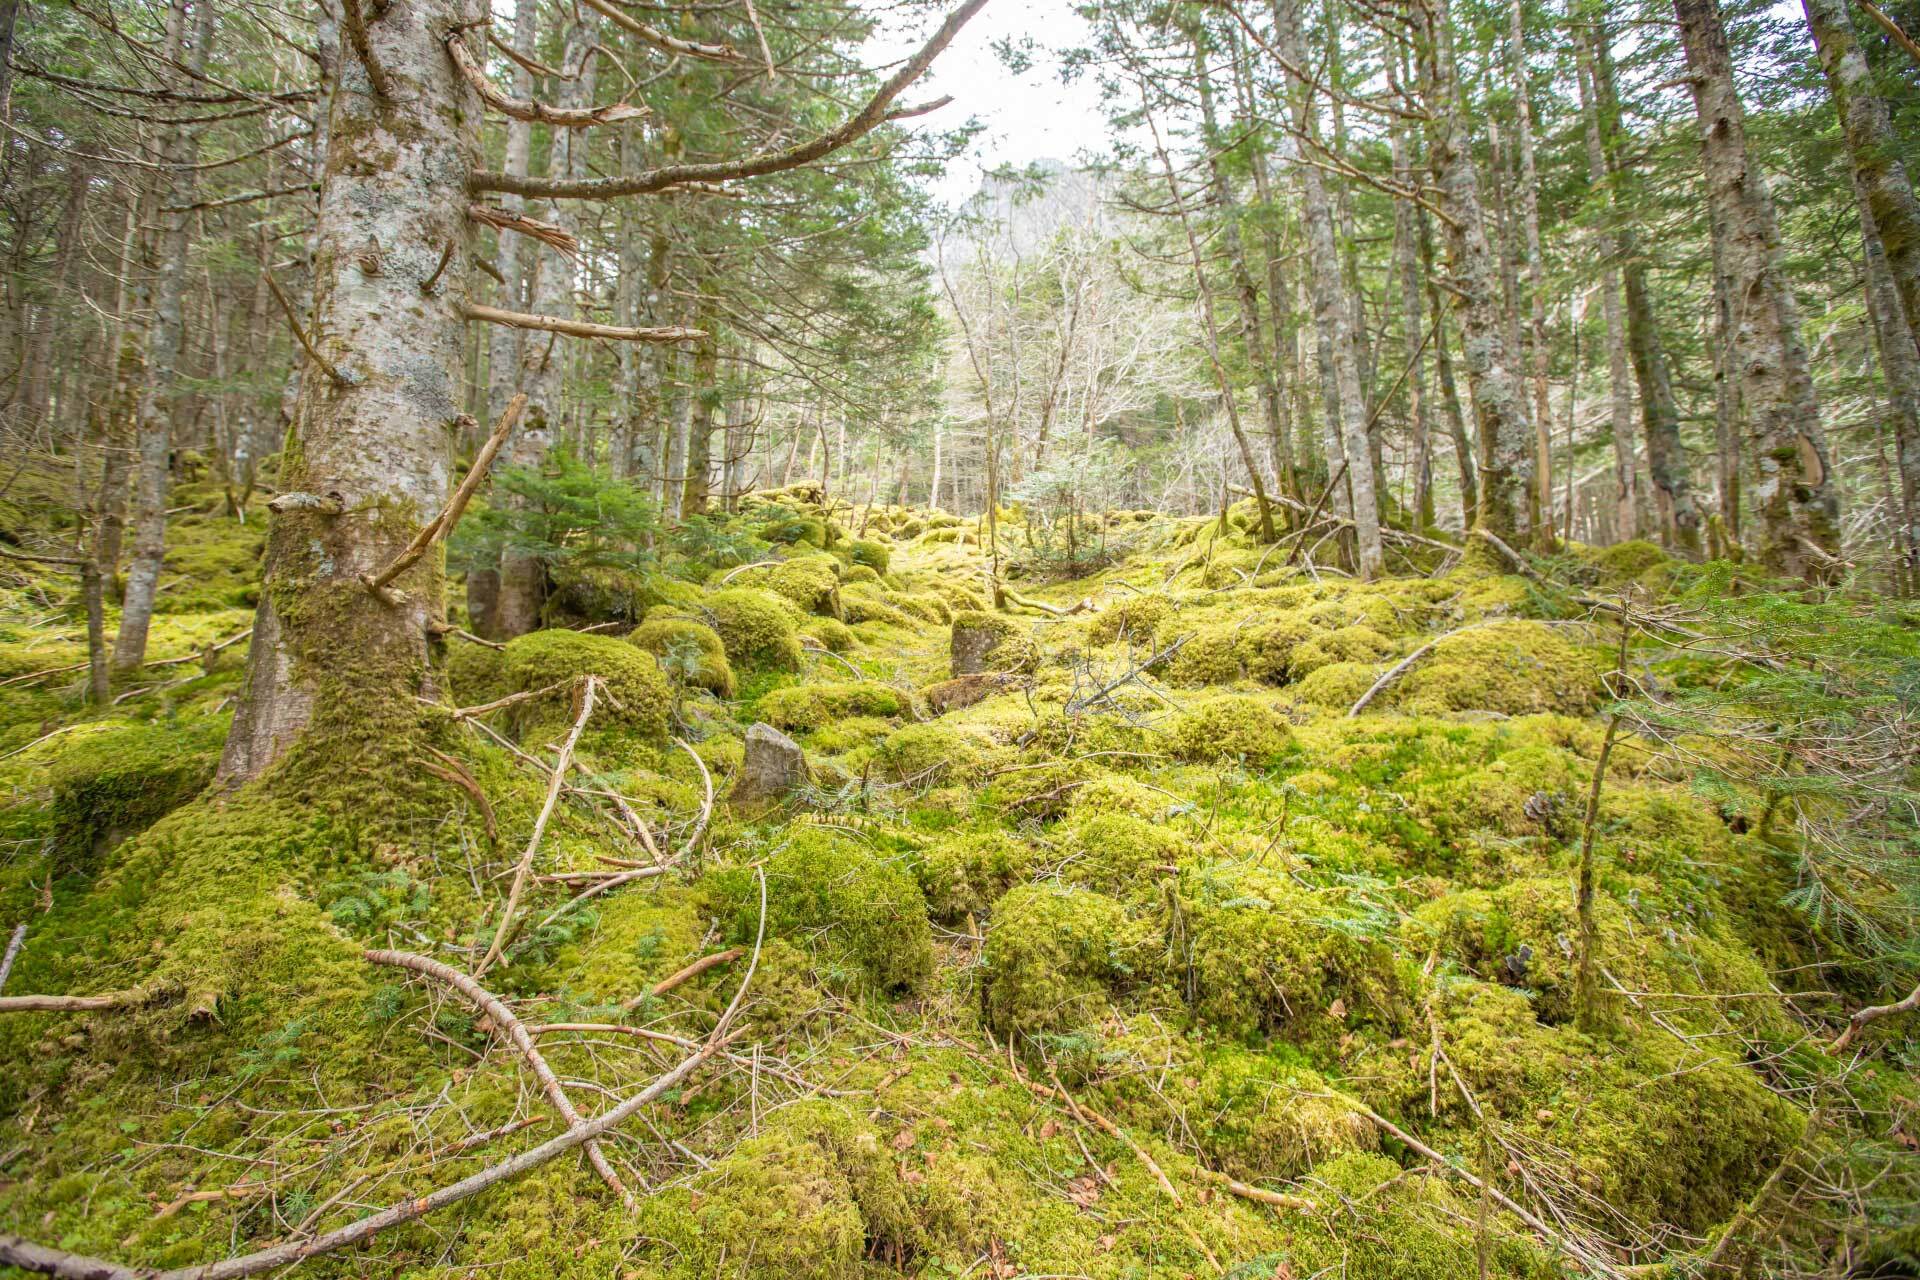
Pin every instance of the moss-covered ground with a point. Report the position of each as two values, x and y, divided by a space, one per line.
1056 982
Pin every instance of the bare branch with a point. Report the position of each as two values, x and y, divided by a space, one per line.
547 233
577 328
661 40
531 111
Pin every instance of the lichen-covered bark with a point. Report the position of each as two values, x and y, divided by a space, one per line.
1506 434
1794 498
332 666
1332 315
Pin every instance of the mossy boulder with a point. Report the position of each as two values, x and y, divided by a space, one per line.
859 912
1266 647
1513 668
691 650
990 642
1271 1120
870 602
827 633
1052 956
475 673
108 785
1136 619
860 551
803 707
1338 685
928 753
641 701
1624 562
810 583
1211 655
963 873
1228 728
757 628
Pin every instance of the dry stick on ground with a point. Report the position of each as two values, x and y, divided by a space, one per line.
611 882
130 998
1586 992
18 940
15 1251
1088 1116
688 974
512 699
706 806
505 931
1873 1013
514 1032
442 525
1260 1194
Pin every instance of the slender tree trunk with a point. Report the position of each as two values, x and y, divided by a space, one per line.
1412 328
1499 403
1794 497
1626 506
157 405
1667 465
1279 295
1331 312
1723 528
331 664
40 362
1537 349
700 419
1900 362
1465 456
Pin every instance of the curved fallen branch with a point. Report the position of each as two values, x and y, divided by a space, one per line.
514 1032
685 975
706 805
505 932
1873 1013
1405 664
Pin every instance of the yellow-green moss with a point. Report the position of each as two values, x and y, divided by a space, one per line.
1228 728
691 649
1512 667
1134 618
1357 643
1004 643
963 873
1119 854
756 628
858 911
1338 685
109 785
828 633
1210 655
802 707
1053 954
641 700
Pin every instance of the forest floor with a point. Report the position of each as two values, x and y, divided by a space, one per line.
1132 953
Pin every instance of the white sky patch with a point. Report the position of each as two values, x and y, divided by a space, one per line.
1028 116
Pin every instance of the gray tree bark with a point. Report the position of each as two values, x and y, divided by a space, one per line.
1506 433
1537 351
329 659
1795 500
1626 504
179 151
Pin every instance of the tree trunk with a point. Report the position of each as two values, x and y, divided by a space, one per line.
703 396
1331 311
1506 475
1900 362
1626 506
1537 350
1794 497
1412 329
179 149
331 663
1465 456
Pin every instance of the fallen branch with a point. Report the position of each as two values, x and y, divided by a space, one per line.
577 328
706 805
1041 606
1512 557
529 110
514 1032
1260 1194
456 773
685 975
29 1256
512 699
18 940
502 934
131 998
1873 1013
611 882
1088 1116
442 525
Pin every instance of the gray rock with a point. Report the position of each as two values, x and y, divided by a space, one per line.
774 765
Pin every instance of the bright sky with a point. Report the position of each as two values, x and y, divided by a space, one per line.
1029 116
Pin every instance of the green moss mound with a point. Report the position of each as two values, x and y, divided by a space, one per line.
1512 668
803 707
106 786
964 873
1137 619
757 628
641 700
1121 854
858 911
991 642
1229 728
690 651
1053 954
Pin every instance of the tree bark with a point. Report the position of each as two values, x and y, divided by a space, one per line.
1667 465
1626 504
702 396
179 150
1537 350
1412 328
1795 500
1465 456
1331 311
329 659
1506 434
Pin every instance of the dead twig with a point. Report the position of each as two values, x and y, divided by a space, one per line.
442 525
685 975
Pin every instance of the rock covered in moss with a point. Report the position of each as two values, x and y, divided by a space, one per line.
691 650
1271 1120
1266 646
802 707
963 873
858 911
1136 619
1052 955
1514 668
830 634
962 692
1228 728
929 753
771 766
757 628
870 602
990 642
1210 655
114 783
860 551
1356 643
641 701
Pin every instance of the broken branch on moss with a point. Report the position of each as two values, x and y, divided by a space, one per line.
515 1033
1873 1013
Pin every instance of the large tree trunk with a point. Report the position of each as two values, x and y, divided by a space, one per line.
331 663
1331 311
1626 505
1794 497
1506 434
154 418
